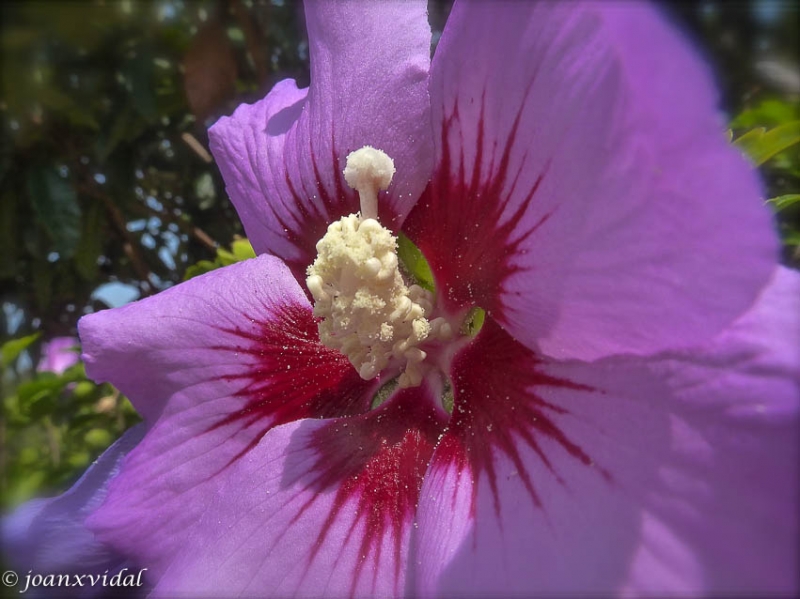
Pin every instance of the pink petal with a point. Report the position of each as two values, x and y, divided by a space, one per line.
58 354
282 158
675 474
585 194
212 364
316 508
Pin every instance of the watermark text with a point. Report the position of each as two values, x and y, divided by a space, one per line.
34 580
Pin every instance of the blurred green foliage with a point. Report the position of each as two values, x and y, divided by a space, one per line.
240 250
105 171
761 145
109 192
770 137
53 424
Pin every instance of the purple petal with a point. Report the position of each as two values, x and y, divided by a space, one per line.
282 158
585 194
317 507
675 474
213 363
50 536
237 333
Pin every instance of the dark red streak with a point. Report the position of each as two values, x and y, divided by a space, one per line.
456 223
378 461
497 408
292 376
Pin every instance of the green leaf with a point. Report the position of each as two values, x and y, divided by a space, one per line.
41 403
769 113
27 487
98 438
138 72
761 145
12 412
65 105
56 207
201 268
473 322
415 264
784 201
12 349
47 383
792 238
240 250
85 390
126 126
79 459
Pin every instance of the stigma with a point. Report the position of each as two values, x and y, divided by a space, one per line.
368 312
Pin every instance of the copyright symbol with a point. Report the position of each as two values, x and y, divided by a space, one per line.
10 578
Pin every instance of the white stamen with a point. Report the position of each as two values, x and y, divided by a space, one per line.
368 312
369 170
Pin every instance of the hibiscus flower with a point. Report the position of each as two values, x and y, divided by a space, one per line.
58 355
616 425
